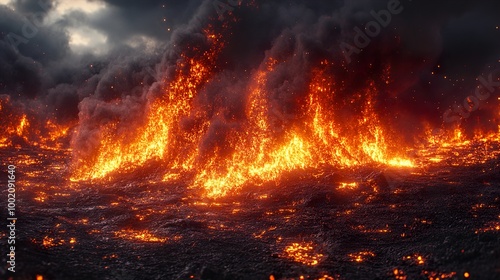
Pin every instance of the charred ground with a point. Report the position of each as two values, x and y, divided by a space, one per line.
440 221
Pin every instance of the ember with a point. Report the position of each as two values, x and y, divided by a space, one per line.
303 253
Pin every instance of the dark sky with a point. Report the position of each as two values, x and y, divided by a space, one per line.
58 54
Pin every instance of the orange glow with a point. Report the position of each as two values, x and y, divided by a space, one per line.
33 131
399 274
52 242
416 259
348 186
303 253
491 226
361 256
258 154
142 236
459 149
23 124
431 275
333 126
326 277
157 137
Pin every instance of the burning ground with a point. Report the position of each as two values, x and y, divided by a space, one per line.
248 147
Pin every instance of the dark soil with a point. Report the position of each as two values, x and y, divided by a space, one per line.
444 215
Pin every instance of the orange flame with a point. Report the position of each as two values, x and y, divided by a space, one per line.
265 147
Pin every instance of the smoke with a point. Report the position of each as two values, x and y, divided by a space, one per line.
423 62
39 62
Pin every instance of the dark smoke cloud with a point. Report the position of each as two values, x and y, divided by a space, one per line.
43 67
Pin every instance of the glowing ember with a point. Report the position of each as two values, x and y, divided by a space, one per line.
399 274
303 253
491 226
431 275
52 242
364 229
348 186
326 277
415 258
361 256
142 236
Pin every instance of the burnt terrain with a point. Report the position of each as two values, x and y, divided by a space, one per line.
441 221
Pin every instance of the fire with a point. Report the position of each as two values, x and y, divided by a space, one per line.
264 143
29 129
22 125
262 149
55 133
459 149
160 134
260 157
348 186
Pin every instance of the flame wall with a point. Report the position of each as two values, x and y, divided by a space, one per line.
260 91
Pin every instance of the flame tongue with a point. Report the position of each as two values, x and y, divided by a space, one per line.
160 136
326 129
261 156
253 153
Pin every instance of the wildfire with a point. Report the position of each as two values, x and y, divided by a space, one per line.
262 149
160 135
331 125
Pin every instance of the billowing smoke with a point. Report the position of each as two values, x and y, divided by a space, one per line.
424 59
